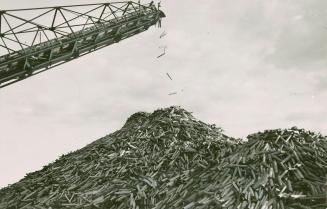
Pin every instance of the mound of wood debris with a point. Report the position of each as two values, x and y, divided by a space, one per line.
169 159
276 169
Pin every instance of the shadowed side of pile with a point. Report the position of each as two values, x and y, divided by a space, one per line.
155 161
276 169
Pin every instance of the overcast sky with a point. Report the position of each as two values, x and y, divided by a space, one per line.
245 65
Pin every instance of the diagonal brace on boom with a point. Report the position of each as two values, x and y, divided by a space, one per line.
31 45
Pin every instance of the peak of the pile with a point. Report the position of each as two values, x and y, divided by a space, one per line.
171 124
291 134
172 112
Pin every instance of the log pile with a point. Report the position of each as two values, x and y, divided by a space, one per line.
276 169
168 159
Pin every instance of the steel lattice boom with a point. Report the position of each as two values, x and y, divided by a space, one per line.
37 39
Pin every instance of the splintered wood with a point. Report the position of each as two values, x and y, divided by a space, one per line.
168 159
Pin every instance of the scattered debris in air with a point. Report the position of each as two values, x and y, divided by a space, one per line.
169 76
164 52
163 34
161 55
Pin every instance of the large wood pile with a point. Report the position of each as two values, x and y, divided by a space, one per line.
276 169
168 159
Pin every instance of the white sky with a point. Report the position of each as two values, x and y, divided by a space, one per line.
245 65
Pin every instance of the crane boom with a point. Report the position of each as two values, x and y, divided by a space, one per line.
60 34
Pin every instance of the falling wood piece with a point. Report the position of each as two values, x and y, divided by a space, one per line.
163 34
169 76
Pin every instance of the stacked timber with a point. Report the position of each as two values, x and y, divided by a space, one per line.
169 159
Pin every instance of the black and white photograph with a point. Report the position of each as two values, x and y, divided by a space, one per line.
165 104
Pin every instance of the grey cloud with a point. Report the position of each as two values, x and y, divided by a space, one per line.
301 43
290 34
